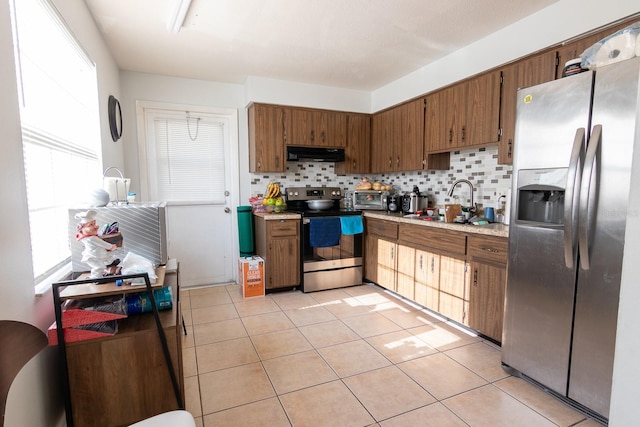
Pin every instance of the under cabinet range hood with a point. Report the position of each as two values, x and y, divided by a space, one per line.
315 154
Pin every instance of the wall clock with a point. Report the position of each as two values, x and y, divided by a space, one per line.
115 118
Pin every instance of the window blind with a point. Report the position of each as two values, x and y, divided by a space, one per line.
189 159
60 127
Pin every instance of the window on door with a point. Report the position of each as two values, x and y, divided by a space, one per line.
186 160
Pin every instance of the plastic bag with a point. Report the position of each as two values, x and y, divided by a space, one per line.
619 46
136 264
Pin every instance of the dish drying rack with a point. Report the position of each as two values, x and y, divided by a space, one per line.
124 182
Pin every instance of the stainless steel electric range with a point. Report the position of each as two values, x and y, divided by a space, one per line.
331 241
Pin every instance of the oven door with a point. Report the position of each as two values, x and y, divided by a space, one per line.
331 267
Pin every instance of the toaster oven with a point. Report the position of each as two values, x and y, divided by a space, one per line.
370 199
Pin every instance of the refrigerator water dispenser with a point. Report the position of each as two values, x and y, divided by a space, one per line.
541 196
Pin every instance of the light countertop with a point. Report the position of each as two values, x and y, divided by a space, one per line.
498 230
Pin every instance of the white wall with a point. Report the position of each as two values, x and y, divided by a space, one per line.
34 399
559 22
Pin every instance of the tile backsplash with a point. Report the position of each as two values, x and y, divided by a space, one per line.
480 166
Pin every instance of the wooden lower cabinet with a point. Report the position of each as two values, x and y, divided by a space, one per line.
488 268
122 379
486 310
461 276
278 243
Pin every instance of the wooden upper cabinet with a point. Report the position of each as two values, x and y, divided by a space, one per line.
482 110
442 114
463 115
531 71
397 139
267 137
382 142
320 128
409 135
358 145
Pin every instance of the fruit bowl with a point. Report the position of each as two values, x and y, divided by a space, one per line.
275 208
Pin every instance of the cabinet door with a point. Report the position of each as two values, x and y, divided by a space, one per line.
283 266
482 118
371 257
454 289
381 142
528 72
427 279
330 128
487 293
409 136
406 270
267 136
358 145
440 121
301 125
320 128
387 264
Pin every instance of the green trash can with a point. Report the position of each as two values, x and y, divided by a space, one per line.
245 231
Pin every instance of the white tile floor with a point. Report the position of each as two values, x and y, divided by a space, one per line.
356 356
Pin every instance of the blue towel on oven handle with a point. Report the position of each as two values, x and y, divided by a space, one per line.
324 232
351 224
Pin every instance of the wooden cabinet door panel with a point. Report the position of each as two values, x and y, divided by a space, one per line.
452 277
438 123
282 268
427 278
491 249
334 132
386 269
406 270
381 142
371 257
410 139
487 293
267 136
482 110
453 307
358 145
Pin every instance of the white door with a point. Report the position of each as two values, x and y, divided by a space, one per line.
187 158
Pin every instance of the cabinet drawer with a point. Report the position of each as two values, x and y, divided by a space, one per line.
488 248
387 229
283 228
439 241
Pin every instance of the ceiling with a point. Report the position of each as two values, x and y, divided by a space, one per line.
354 44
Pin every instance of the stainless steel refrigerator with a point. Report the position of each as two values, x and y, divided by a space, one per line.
571 181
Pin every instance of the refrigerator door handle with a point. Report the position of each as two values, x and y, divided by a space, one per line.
587 206
572 191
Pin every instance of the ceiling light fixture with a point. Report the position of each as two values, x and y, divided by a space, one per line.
179 13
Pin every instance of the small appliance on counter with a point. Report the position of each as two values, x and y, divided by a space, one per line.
370 199
394 203
413 202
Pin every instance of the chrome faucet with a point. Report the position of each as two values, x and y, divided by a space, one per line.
465 181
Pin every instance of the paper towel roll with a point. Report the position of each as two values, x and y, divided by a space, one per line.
638 45
617 48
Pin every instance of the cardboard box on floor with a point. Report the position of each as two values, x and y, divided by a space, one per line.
251 276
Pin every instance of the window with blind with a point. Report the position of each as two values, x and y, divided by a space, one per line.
60 127
186 156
